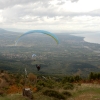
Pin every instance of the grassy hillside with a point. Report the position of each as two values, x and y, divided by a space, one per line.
48 87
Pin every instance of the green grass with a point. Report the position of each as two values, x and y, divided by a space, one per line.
13 97
96 97
87 92
37 96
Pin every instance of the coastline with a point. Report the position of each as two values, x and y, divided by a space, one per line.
90 38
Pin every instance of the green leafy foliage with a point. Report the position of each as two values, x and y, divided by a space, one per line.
66 93
53 93
68 86
45 84
94 76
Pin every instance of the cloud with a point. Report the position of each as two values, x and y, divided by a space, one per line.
10 3
73 0
61 14
33 14
39 8
94 13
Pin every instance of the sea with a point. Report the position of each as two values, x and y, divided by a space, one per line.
93 37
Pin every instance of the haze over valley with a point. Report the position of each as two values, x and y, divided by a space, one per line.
72 56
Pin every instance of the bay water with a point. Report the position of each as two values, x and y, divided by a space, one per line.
90 37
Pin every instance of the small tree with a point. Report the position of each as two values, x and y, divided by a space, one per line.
32 78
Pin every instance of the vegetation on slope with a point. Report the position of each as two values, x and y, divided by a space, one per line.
49 87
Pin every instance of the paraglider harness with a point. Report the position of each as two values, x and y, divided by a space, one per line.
38 67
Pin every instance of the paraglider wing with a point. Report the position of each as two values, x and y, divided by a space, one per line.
38 31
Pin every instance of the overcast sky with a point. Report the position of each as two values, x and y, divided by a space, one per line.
51 15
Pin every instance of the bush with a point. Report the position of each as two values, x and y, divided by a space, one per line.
45 84
2 93
66 93
53 93
38 87
68 86
41 83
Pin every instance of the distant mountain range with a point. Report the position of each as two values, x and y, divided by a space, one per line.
2 30
6 31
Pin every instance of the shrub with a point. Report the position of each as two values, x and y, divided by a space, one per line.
2 93
14 89
32 78
41 83
53 93
38 87
45 84
66 93
68 86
